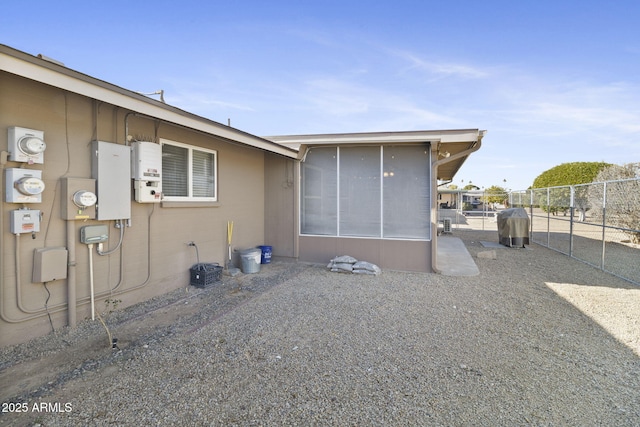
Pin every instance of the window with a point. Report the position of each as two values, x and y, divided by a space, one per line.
188 173
375 191
360 191
407 185
319 200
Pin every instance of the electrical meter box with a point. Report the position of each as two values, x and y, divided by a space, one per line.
23 185
78 198
26 145
94 234
24 221
146 170
111 168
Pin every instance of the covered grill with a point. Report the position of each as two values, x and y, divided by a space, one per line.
513 227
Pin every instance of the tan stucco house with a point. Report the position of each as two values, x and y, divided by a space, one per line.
95 175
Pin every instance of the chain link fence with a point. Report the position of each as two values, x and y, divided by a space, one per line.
597 223
471 209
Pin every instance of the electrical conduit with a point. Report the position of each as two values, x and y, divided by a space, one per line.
93 305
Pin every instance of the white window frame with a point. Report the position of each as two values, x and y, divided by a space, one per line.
190 197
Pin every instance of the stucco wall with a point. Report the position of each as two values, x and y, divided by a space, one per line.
402 255
280 206
154 257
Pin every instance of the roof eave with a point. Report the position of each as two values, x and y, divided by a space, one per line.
56 75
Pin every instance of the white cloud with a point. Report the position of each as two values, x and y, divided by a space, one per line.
436 69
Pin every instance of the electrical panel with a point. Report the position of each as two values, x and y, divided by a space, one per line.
49 264
26 145
23 185
111 168
78 198
146 170
24 221
94 234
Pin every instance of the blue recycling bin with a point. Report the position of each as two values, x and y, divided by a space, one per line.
265 258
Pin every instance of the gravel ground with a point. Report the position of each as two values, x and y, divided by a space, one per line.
536 339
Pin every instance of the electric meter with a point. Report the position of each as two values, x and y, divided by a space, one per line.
31 145
26 145
23 185
84 199
29 185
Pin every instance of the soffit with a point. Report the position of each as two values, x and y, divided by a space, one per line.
446 171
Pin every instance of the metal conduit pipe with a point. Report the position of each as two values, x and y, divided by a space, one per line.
18 266
71 267
3 160
3 315
19 280
34 314
115 290
71 274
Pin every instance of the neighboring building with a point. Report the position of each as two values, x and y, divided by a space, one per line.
164 177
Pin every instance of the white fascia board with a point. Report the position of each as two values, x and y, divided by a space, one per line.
115 95
444 136
469 136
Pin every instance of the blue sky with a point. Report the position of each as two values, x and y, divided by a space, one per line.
551 81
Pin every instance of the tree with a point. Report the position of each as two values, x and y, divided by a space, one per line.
566 174
622 207
496 194
569 174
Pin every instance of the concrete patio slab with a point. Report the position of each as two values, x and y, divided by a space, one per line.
454 258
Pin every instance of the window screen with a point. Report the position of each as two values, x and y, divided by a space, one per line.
360 191
319 192
175 171
380 192
406 192
203 174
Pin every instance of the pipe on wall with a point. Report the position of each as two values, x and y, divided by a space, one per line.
72 303
3 160
3 315
71 274
18 268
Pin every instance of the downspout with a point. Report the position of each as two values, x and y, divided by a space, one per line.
475 146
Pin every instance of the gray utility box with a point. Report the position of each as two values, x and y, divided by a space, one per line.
71 186
111 168
49 264
513 227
